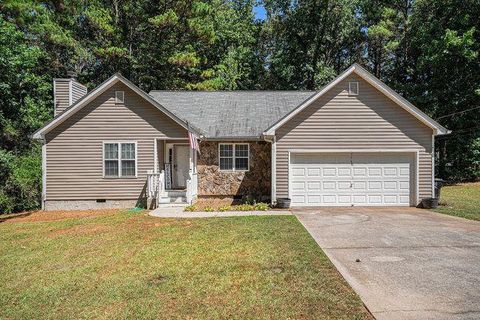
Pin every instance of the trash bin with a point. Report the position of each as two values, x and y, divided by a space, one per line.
283 203
430 203
438 186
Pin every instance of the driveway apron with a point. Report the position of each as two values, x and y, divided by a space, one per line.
405 263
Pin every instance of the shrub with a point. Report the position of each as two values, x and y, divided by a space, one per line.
249 200
20 181
190 208
209 209
243 207
262 206
225 208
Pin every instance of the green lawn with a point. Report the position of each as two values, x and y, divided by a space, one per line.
130 265
461 200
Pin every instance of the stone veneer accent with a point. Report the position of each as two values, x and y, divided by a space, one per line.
255 182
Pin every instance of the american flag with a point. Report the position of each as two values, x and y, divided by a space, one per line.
193 139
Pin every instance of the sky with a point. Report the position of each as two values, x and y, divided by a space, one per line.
260 12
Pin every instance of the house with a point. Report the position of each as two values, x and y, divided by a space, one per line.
353 143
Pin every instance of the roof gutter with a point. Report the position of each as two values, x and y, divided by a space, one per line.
237 138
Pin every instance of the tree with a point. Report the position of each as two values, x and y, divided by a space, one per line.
310 41
445 46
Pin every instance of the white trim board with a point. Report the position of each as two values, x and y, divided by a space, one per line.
375 82
39 134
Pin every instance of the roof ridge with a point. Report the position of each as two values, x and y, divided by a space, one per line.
231 91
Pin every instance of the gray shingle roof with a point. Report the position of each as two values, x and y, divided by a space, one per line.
231 114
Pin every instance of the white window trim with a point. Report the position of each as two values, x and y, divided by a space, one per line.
119 143
233 157
350 92
117 100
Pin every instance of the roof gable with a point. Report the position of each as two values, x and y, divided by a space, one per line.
71 110
375 82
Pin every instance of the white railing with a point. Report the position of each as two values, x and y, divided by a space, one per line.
155 184
192 187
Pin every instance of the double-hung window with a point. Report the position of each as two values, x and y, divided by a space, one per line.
119 159
234 156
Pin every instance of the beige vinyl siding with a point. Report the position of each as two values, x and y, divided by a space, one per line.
369 120
67 92
62 94
74 148
78 91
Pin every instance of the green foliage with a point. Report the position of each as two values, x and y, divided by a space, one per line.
261 206
208 209
191 208
225 208
169 18
243 207
21 177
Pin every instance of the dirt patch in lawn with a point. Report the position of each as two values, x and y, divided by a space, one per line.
43 216
83 229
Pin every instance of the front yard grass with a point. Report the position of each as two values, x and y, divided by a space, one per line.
121 264
462 200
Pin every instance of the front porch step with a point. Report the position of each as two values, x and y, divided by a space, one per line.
172 200
175 193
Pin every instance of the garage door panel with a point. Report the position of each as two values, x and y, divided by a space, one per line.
325 179
313 172
298 172
344 199
343 185
375 199
390 185
390 199
329 172
344 171
374 172
404 171
298 186
359 185
360 171
405 185
314 186
329 185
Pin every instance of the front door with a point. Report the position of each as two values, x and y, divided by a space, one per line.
180 165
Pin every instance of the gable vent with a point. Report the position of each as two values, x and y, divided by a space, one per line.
119 97
353 88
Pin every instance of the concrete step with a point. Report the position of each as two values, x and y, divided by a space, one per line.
172 205
172 200
176 193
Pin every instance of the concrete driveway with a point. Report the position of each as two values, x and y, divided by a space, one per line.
413 263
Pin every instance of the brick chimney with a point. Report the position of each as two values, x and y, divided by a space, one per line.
66 91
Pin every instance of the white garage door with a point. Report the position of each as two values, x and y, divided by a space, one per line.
347 179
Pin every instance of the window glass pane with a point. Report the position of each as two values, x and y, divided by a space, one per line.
128 151
241 163
128 168
241 150
226 163
226 150
111 151
111 168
